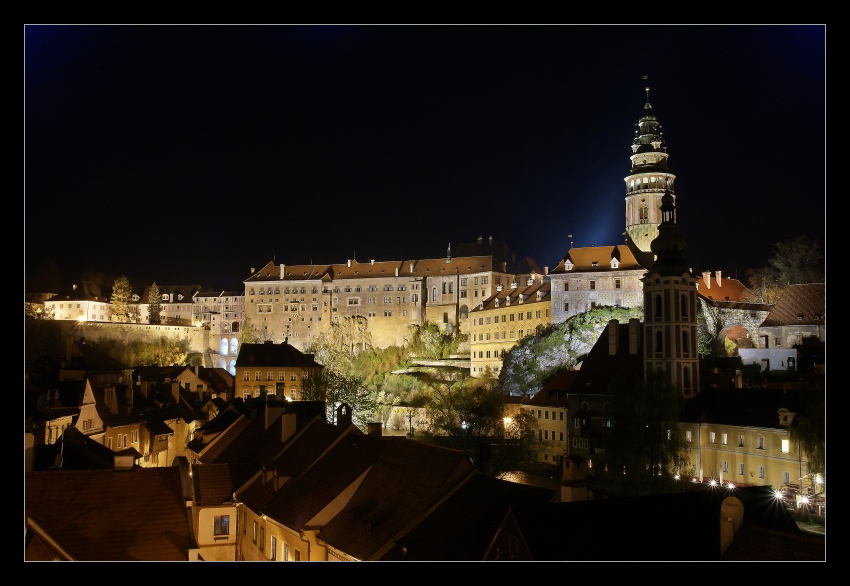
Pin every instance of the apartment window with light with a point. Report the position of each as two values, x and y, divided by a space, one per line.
711 437
689 436
273 549
760 442
724 438
786 445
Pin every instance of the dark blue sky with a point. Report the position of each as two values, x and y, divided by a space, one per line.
191 154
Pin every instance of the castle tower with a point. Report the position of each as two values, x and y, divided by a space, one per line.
648 181
670 308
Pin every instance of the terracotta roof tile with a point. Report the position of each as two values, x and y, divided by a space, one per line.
799 305
105 515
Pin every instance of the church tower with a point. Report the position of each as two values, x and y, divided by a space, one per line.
649 179
670 308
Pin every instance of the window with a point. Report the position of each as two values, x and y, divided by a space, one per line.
286 552
786 445
273 549
221 525
761 472
724 467
262 538
760 442
741 440
724 437
740 469
254 534
617 284
712 437
786 477
689 436
593 285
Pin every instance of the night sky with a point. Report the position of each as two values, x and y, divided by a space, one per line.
191 154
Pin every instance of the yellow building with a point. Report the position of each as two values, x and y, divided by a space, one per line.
272 369
742 436
502 320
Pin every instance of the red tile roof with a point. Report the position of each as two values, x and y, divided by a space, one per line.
799 305
105 515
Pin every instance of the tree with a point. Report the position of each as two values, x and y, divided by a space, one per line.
335 389
795 261
252 335
809 426
344 339
469 414
154 304
121 294
644 448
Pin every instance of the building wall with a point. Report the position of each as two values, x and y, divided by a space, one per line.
493 332
196 337
552 432
284 381
84 311
766 456
577 292
214 546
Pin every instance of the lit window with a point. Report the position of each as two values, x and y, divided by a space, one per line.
786 445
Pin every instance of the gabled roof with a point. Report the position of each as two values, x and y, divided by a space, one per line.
529 294
724 290
281 355
304 497
799 305
298 453
213 484
74 451
460 265
600 368
105 515
583 260
741 407
407 479
85 291
462 526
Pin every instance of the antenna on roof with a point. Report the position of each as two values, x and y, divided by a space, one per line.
647 106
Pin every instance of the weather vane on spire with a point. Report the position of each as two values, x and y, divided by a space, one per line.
648 106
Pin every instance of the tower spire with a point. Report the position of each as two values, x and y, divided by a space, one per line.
647 106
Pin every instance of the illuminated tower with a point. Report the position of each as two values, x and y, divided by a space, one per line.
648 181
670 308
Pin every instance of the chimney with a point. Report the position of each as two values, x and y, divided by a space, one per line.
175 391
480 240
396 271
514 285
411 267
491 241
282 270
343 415
504 266
349 263
545 270
252 270
372 260
613 337
530 281
74 286
449 253
374 428
719 284
706 278
634 335
499 287
272 414
287 425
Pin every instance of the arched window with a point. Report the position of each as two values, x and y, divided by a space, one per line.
686 346
232 368
684 305
686 380
433 294
659 342
222 347
658 311
234 345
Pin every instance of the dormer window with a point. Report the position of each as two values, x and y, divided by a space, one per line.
615 263
594 264
568 266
